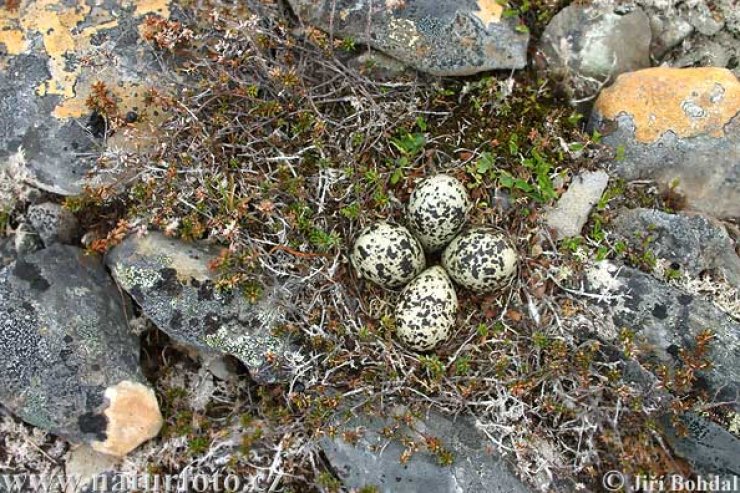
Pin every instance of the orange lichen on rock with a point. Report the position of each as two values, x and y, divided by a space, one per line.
685 101
60 26
11 35
489 11
133 417
55 22
159 7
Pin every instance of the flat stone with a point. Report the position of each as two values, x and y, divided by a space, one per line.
378 66
54 51
670 320
669 30
571 213
374 460
680 128
439 38
53 223
68 362
705 20
695 242
709 448
83 465
587 45
176 290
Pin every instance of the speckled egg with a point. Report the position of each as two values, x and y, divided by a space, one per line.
426 310
388 255
437 210
480 259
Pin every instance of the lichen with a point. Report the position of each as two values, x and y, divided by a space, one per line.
252 351
34 407
130 276
685 101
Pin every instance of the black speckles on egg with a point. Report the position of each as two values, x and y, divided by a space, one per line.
437 210
426 310
480 259
388 255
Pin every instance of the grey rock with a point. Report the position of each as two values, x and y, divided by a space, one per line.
375 460
220 366
709 448
705 21
703 167
68 363
378 65
43 91
670 320
84 467
668 32
680 128
7 251
587 45
720 50
695 242
176 290
53 223
440 38
27 240
570 214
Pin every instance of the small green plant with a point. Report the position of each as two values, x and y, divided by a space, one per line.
540 340
433 366
198 445
572 243
364 333
369 489
324 241
535 182
348 44
482 330
328 481
351 211
672 274
482 169
620 247
4 221
462 365
409 144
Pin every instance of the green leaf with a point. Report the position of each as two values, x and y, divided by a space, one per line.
421 123
505 180
485 163
396 176
513 145
575 118
409 144
576 146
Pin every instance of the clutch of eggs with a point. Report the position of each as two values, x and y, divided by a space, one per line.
388 255
426 310
437 210
480 259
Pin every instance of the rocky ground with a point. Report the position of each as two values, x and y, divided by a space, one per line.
185 195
